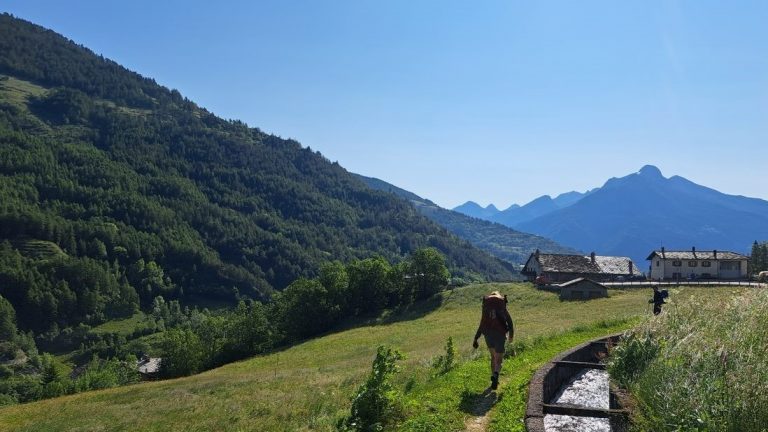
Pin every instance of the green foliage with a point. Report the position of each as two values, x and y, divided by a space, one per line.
184 353
376 405
701 365
7 321
759 258
444 363
428 272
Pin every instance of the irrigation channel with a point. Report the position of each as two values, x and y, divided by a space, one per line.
571 393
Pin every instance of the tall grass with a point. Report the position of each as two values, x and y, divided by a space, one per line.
702 365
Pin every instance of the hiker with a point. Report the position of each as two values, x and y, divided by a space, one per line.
494 325
658 299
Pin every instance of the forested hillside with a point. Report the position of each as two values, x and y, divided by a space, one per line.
114 190
494 238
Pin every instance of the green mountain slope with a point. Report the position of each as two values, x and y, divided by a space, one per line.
147 194
496 239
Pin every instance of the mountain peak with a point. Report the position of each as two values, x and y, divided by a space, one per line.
650 171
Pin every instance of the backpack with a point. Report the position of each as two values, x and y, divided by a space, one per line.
493 306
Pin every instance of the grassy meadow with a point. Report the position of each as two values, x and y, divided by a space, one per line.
308 386
701 366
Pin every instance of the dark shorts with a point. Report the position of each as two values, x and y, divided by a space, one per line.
496 341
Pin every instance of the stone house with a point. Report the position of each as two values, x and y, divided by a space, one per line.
582 289
553 268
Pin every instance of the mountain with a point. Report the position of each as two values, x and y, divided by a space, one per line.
130 191
496 239
473 209
516 214
643 211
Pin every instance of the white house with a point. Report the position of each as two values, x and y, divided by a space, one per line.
693 264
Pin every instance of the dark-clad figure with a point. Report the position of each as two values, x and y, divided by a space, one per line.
658 299
494 325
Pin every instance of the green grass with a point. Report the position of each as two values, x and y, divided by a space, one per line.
702 365
17 91
307 386
124 326
445 403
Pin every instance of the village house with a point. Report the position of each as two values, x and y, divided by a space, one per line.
148 367
693 264
552 268
582 289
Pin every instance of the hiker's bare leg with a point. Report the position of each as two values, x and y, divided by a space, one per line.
493 359
496 359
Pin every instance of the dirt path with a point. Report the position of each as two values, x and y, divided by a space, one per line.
480 409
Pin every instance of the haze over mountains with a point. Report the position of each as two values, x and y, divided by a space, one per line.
499 240
635 214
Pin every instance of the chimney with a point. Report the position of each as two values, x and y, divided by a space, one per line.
714 253
592 257
662 252
537 253
693 249
630 267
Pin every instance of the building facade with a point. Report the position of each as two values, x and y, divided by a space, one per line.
554 268
693 264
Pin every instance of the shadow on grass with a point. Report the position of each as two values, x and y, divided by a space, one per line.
412 312
478 404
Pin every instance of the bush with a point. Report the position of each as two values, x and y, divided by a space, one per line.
446 362
376 404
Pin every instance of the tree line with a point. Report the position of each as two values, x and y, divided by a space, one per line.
759 257
306 308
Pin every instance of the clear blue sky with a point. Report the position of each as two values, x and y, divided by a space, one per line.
493 101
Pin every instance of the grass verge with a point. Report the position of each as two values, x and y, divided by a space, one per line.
702 365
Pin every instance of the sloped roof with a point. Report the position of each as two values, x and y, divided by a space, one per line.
558 263
615 265
567 264
693 255
149 366
580 280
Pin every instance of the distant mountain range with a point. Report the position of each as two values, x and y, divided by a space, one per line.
517 214
501 241
635 214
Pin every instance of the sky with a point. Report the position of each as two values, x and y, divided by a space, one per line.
493 101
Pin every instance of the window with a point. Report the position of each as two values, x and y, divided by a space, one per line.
730 265
677 263
706 264
676 275
692 263
657 263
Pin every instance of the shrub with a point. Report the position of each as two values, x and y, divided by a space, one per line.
376 404
446 362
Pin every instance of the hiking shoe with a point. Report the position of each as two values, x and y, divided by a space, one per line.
494 382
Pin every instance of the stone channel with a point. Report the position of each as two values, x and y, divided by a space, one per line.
571 393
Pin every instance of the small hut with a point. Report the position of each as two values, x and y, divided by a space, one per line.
582 289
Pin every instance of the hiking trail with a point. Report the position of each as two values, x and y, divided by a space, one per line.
480 410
